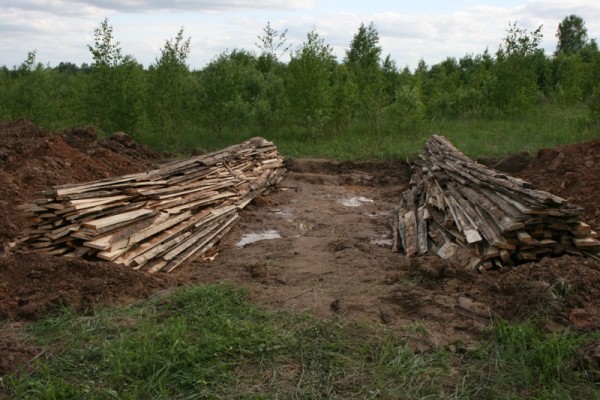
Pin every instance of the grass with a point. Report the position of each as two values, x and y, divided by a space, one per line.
522 361
208 342
547 126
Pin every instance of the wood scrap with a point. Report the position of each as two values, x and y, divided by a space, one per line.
502 220
154 220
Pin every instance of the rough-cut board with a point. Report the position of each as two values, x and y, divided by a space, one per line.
154 220
500 220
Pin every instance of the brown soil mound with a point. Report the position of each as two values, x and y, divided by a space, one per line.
572 172
14 352
32 159
33 286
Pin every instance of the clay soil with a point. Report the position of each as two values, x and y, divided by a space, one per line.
329 252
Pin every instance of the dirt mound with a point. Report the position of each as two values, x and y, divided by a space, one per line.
572 172
14 352
32 159
33 286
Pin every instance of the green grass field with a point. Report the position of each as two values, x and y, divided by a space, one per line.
208 342
548 126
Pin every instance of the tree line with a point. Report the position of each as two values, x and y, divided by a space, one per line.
312 94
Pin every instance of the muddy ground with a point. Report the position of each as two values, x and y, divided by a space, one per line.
328 251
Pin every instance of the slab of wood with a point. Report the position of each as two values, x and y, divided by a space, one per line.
501 220
154 220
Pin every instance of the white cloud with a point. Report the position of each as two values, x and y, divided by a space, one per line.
147 6
61 29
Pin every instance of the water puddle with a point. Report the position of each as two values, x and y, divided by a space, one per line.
249 238
303 226
289 216
285 214
356 201
379 214
382 241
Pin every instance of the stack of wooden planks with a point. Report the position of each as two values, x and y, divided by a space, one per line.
153 220
457 206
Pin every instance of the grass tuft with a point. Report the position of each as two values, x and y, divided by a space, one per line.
208 342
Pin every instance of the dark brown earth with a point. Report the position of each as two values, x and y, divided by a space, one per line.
332 259
572 172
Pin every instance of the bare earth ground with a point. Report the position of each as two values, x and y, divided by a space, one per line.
332 257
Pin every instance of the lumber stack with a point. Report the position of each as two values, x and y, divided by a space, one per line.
153 220
460 209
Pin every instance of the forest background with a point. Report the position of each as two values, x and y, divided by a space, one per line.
513 99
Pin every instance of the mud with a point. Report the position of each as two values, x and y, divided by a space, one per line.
332 258
572 172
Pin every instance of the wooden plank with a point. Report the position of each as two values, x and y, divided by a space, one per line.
524 237
422 241
116 219
464 223
585 242
198 203
160 243
410 223
93 202
121 238
203 246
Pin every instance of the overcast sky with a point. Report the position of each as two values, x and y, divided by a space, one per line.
60 30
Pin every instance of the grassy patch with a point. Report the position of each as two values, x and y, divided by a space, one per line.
208 342
523 361
547 126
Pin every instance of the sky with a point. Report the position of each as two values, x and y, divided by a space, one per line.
432 30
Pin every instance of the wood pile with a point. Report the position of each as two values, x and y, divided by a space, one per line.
482 218
153 220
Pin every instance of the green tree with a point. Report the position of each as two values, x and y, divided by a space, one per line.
26 89
408 109
390 79
309 83
105 51
5 99
41 94
363 59
170 90
568 78
233 92
274 43
364 52
269 108
572 35
441 88
475 78
345 96
114 95
519 72
518 42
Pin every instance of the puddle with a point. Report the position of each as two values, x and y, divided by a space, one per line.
383 241
303 226
285 214
356 201
379 214
249 238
